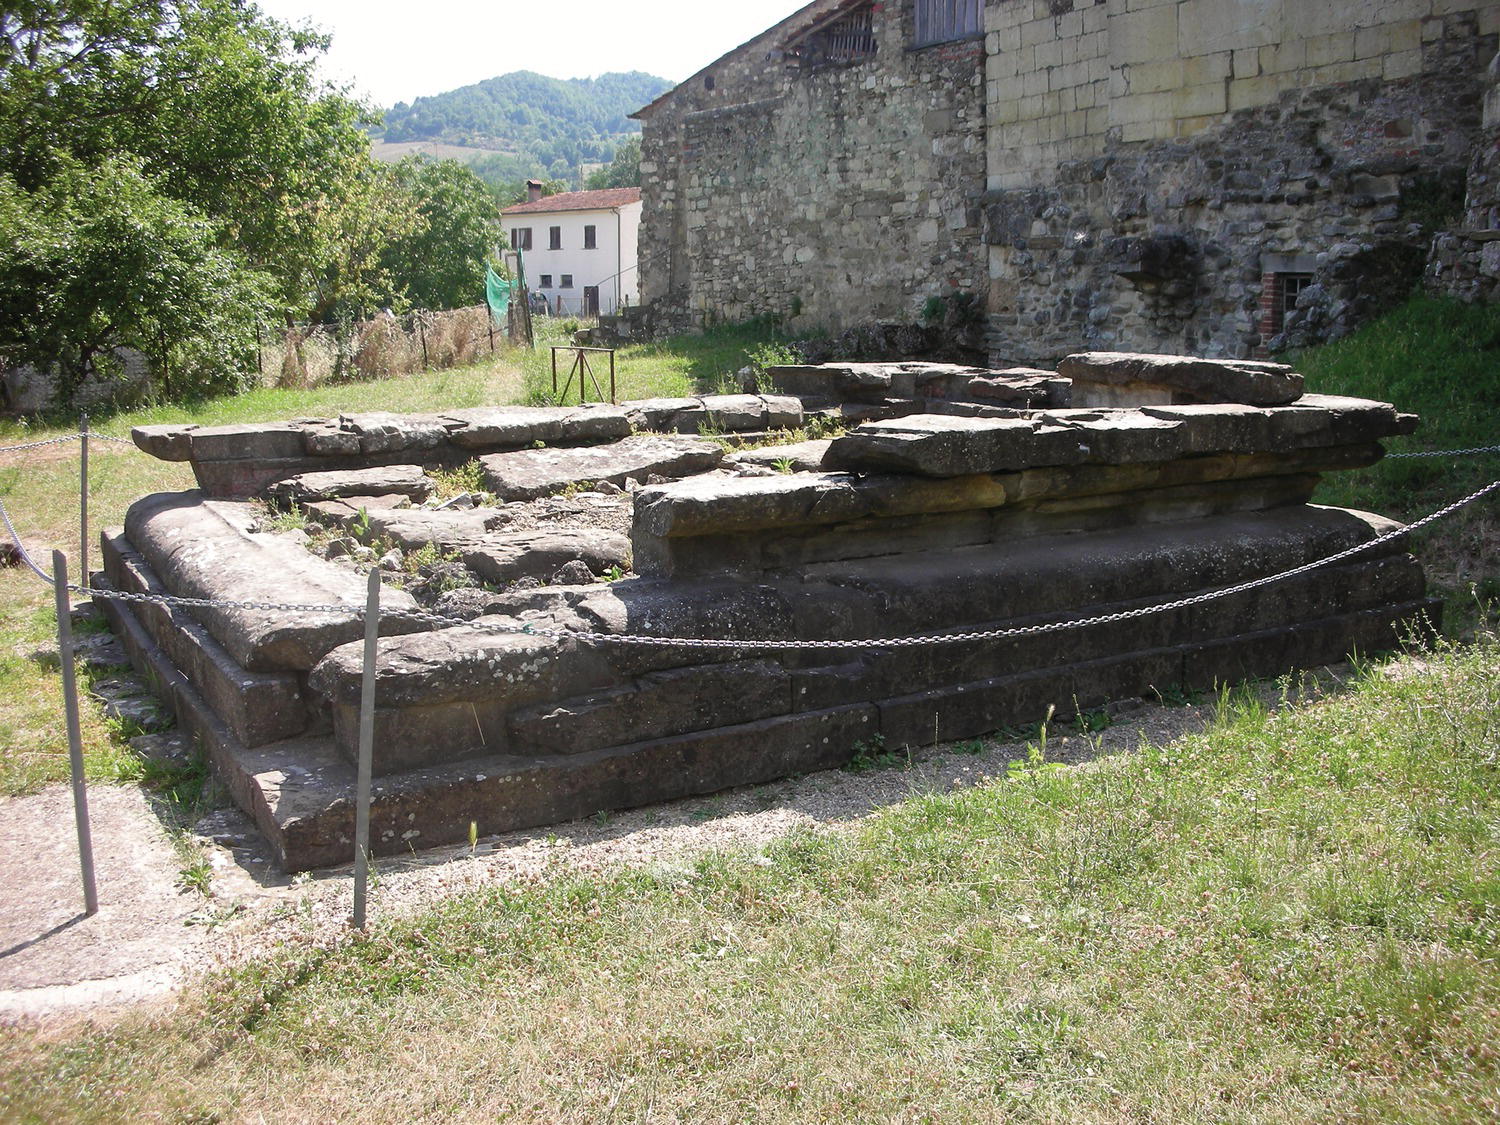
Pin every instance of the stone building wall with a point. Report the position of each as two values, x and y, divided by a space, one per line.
1219 176
1465 263
835 193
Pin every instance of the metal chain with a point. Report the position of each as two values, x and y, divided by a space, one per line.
108 437
1446 452
838 645
39 444
21 548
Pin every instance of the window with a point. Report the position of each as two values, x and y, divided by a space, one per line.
847 37
1292 285
567 281
546 281
589 234
554 238
941 21
520 238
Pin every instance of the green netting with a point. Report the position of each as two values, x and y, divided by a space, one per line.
498 293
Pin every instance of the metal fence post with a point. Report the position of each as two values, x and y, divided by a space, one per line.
83 497
366 752
75 735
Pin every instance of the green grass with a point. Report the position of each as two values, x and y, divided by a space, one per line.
1441 360
1436 358
1291 917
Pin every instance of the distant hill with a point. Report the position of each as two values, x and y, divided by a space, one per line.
526 124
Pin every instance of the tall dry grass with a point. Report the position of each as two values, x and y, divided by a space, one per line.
380 348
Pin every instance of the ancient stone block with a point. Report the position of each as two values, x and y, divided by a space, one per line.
936 446
259 707
168 443
529 473
204 549
267 441
397 480
1124 379
654 705
503 557
381 432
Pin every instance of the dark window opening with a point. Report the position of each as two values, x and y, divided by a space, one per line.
845 38
589 235
1292 285
941 21
567 281
520 238
708 81
546 281
554 238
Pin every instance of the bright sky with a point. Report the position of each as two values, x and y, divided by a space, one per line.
396 50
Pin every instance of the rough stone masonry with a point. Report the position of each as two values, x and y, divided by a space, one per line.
959 499
1217 177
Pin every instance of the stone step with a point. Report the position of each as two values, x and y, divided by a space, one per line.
531 473
259 707
300 792
201 548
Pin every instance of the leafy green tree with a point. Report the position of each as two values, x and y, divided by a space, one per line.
624 171
102 259
440 264
200 124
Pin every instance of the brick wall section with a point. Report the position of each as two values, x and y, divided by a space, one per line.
845 192
1147 156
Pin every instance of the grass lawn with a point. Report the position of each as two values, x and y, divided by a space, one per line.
1294 916
1291 917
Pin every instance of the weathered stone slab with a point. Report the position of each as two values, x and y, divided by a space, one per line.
666 415
167 443
1125 379
383 432
1024 387
205 549
517 427
263 441
259 707
390 480
507 557
529 473
937 446
801 457
655 705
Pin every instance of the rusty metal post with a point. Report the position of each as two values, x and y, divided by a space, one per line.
75 734
83 497
613 400
366 752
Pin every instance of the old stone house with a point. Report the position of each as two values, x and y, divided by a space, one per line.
1210 176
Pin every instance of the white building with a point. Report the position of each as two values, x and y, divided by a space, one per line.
579 247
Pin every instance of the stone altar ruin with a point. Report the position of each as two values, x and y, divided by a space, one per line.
958 499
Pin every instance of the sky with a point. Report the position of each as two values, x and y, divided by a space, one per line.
395 50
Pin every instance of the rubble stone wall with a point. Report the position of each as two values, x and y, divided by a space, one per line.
841 192
1157 169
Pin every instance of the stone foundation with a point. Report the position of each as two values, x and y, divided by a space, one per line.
946 513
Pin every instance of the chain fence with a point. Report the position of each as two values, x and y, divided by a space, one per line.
370 614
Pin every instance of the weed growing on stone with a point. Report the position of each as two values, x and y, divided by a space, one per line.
873 754
468 477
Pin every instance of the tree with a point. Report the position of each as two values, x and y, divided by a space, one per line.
199 124
441 263
623 171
